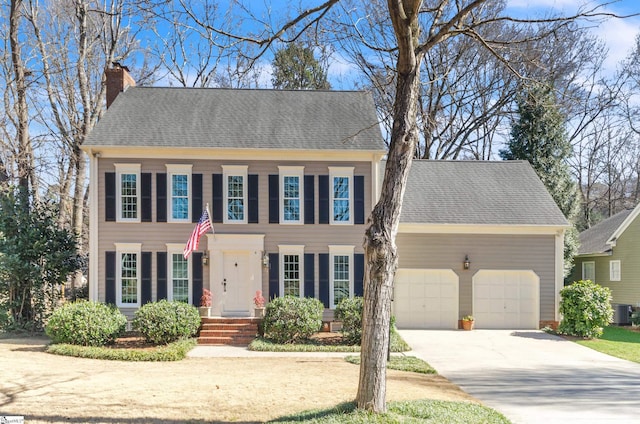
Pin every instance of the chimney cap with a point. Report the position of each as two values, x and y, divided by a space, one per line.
119 65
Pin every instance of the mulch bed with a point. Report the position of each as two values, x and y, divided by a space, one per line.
131 340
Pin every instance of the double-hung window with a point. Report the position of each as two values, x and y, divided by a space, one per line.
178 189
128 275
179 272
589 271
235 190
614 270
291 194
292 270
340 274
128 192
341 195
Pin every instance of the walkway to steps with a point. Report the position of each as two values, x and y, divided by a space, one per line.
228 331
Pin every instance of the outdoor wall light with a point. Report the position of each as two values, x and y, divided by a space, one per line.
466 262
205 259
265 260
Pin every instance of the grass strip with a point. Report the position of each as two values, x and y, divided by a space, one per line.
175 351
419 411
401 363
620 342
261 344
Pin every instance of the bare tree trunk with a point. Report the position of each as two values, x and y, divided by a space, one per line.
24 161
380 249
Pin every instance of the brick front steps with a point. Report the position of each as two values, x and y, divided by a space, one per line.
228 331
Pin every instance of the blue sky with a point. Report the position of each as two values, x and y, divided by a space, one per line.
618 34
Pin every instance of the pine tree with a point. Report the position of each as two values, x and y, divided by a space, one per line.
296 68
539 137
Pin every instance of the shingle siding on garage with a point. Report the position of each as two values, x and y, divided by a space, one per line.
495 252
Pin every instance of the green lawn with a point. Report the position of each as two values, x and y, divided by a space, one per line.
419 411
620 342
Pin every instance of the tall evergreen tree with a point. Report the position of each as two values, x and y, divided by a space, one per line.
296 68
539 137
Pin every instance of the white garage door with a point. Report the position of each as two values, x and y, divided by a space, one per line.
426 298
506 299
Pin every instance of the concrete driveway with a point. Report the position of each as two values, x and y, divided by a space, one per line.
533 377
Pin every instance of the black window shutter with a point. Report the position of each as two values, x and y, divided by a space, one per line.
145 196
161 197
253 199
218 198
197 278
309 274
309 199
323 199
274 199
358 274
161 271
274 276
196 197
146 278
358 204
323 274
110 196
110 278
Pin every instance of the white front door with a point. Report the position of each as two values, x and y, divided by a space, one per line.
236 285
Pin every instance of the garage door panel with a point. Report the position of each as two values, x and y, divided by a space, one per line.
506 299
426 298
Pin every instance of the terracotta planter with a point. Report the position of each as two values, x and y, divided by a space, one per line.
467 325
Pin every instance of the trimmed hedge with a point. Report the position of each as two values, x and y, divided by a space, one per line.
349 311
164 322
86 324
586 308
175 351
290 319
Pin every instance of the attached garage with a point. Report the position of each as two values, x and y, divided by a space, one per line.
426 298
506 299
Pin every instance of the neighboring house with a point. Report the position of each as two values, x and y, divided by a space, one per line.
609 255
290 177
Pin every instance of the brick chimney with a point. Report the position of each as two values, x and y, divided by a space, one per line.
118 80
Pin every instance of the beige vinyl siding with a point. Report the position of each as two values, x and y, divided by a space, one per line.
490 252
627 251
154 235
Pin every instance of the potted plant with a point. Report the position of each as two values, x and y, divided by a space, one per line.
258 301
205 304
467 322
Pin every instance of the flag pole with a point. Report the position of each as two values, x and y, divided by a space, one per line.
210 222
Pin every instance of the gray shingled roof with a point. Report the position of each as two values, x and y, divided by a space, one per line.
478 192
229 118
594 239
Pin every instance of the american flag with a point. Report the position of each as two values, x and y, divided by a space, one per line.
202 227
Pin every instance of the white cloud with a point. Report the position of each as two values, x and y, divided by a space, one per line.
619 35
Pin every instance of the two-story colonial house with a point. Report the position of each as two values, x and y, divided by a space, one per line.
290 177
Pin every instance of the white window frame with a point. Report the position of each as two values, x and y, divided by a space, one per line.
177 249
291 250
123 248
340 251
340 172
121 169
291 171
231 171
175 169
615 270
584 270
